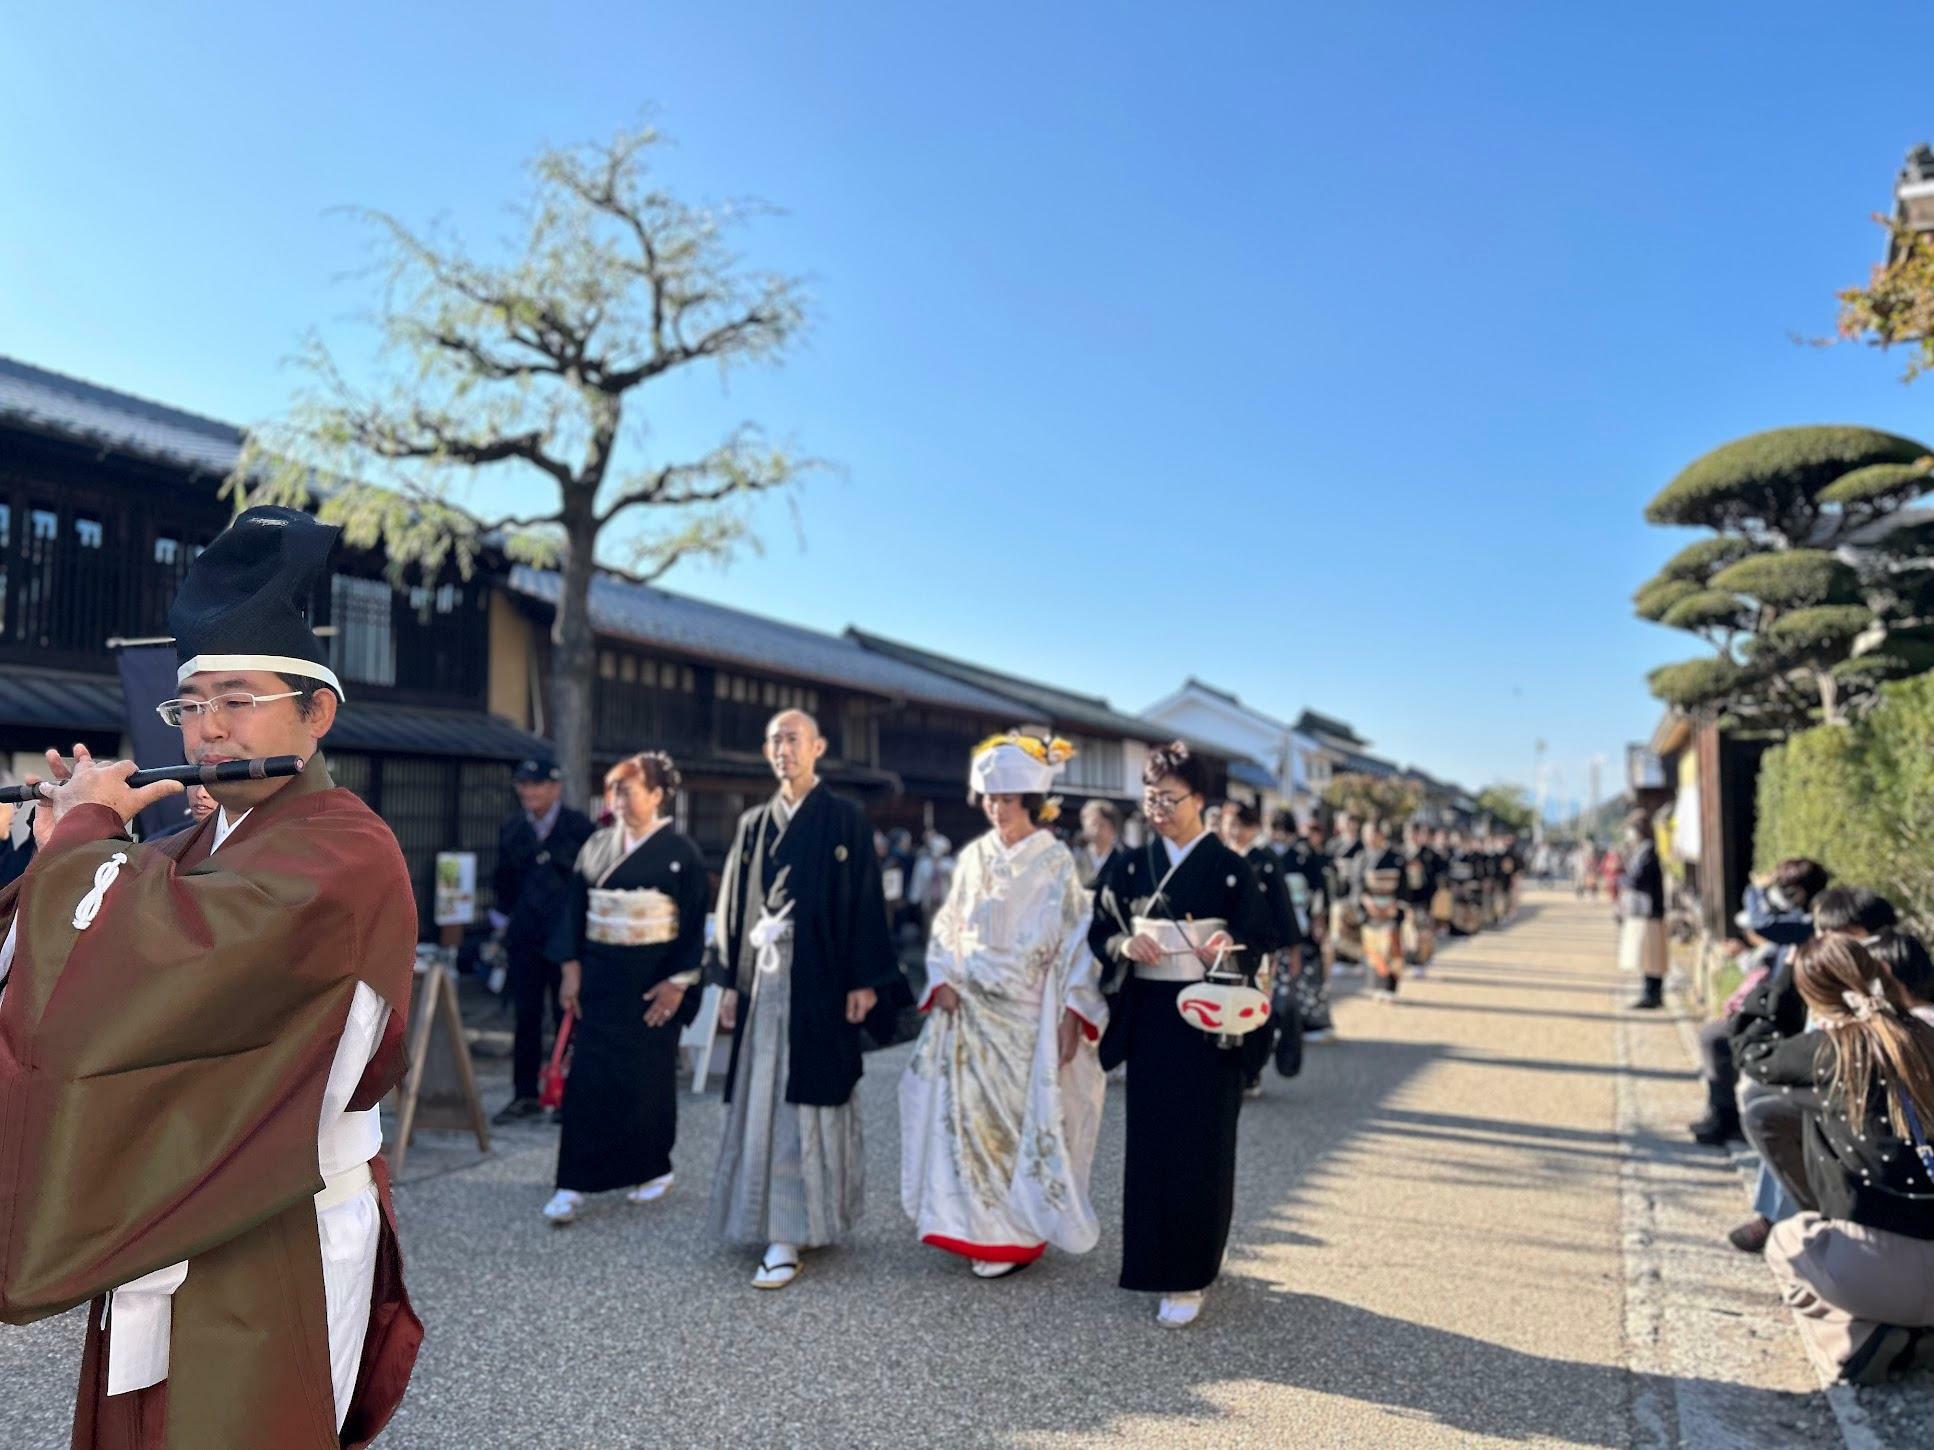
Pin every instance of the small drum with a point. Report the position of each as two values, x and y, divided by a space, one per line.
631 918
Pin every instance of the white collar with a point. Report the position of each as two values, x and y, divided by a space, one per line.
1178 854
224 827
788 809
1013 852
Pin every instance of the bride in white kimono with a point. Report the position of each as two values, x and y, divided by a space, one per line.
1001 1103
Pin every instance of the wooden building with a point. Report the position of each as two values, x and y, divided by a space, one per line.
701 680
104 501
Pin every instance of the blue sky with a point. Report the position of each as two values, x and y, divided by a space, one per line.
1329 353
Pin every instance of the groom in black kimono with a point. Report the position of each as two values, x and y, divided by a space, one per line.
806 959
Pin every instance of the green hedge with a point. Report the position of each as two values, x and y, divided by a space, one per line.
1860 799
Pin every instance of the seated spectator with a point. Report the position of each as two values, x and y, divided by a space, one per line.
1858 1260
1904 954
1770 1121
1775 916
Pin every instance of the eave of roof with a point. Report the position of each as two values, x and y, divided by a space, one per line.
51 403
60 699
1312 723
647 614
1064 708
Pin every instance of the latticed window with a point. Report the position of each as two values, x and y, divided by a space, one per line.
746 704
364 645
1097 766
645 704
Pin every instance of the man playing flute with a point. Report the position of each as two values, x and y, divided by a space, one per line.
194 1037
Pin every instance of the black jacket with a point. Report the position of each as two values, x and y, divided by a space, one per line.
1422 872
1304 860
1641 875
1859 1169
1088 874
14 860
823 869
532 883
1272 881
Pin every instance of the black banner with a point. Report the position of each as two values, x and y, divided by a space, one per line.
148 678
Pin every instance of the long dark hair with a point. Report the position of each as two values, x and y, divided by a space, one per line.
1877 1040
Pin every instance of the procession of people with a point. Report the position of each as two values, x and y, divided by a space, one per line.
1188 964
246 1279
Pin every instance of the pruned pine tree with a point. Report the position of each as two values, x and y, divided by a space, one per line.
1809 589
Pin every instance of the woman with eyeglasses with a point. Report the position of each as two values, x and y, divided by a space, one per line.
1166 914
630 940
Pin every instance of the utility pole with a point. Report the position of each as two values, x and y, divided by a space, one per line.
1538 775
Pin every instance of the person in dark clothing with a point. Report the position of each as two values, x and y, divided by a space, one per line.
1239 824
15 858
1376 885
1771 1121
1858 1260
536 849
1342 941
630 941
1100 842
807 960
1641 897
1305 874
1467 888
1164 915
1776 916
1510 857
1423 871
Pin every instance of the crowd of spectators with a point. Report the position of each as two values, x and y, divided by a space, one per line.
1822 1061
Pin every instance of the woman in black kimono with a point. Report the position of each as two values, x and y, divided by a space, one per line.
1184 1085
630 941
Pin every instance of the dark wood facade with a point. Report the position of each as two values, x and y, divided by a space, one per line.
906 762
93 546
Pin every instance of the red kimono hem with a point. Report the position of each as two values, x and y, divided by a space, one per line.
988 1253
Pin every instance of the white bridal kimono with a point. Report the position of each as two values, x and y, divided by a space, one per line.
996 1136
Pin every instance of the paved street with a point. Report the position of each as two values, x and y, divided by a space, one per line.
1474 1219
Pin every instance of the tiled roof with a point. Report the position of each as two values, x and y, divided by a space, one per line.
693 627
1311 723
65 407
1064 709
1230 697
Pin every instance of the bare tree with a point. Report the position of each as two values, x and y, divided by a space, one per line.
531 370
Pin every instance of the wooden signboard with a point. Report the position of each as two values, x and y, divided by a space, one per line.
441 1088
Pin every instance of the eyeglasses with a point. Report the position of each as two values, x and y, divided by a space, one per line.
173 712
1162 802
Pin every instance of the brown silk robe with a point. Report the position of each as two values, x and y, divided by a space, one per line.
161 1081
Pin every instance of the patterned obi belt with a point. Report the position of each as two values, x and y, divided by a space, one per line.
631 918
1380 893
